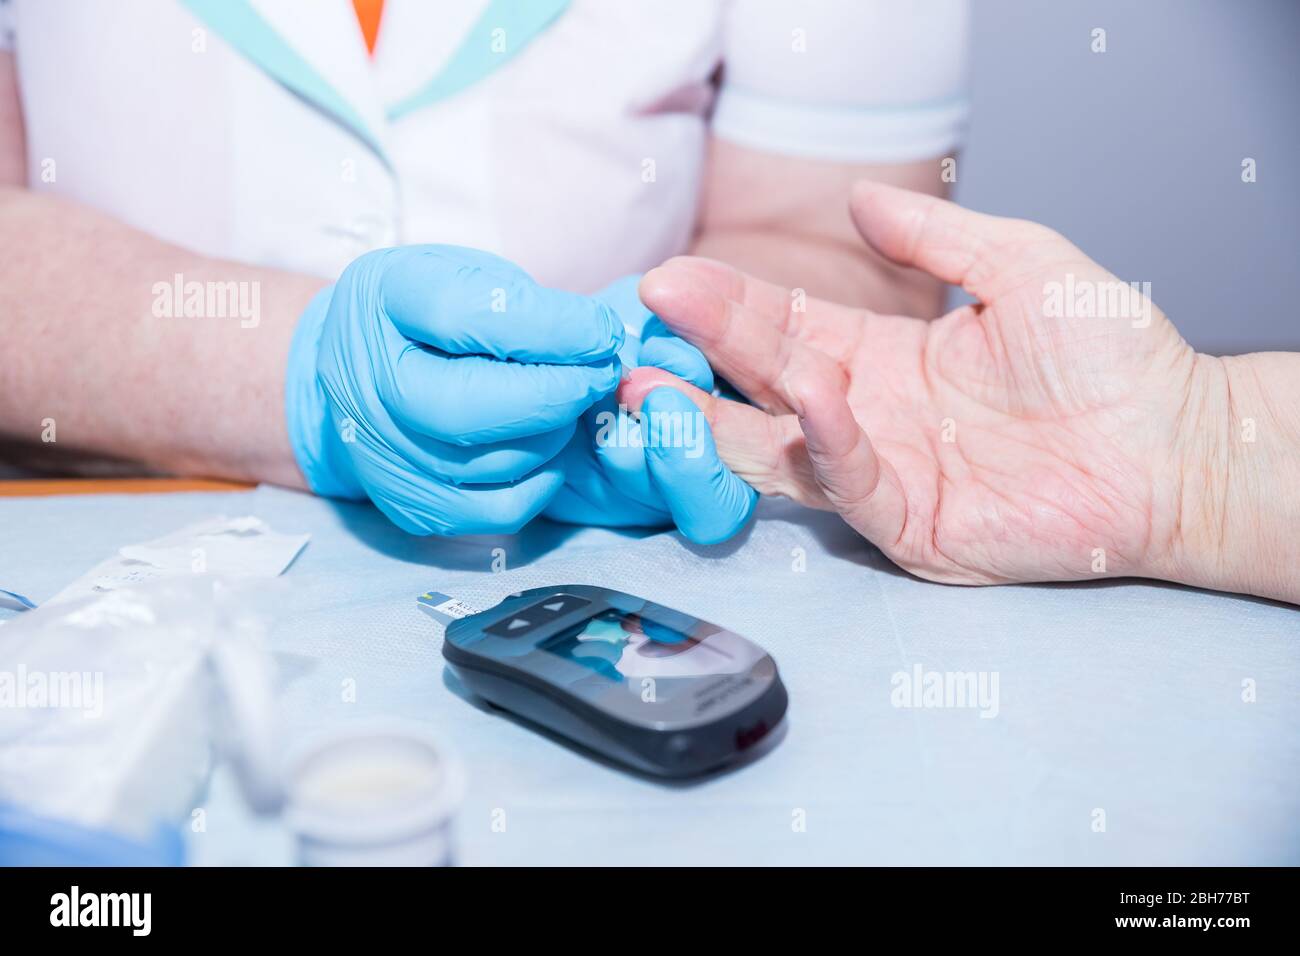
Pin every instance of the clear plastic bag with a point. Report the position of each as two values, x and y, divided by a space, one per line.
109 704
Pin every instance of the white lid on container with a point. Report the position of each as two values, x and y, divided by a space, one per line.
373 784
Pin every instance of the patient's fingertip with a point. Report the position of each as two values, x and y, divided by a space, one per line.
632 390
665 392
640 382
658 286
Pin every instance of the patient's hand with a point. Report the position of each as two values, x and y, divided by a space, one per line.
1011 440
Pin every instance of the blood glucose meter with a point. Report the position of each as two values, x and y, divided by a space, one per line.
639 683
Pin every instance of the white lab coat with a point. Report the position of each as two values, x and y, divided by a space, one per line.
580 156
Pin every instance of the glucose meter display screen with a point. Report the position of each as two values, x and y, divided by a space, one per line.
630 647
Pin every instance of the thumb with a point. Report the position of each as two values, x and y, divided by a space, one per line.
983 254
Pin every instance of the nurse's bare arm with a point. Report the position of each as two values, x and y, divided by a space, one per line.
86 363
13 147
786 219
89 362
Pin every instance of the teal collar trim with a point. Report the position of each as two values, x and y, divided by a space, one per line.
499 34
244 29
484 49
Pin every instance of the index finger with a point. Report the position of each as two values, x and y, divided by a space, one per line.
740 340
826 326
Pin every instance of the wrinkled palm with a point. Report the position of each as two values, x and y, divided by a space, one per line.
1030 436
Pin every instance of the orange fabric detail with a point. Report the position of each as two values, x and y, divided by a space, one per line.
368 15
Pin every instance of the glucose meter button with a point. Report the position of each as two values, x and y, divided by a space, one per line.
556 605
511 626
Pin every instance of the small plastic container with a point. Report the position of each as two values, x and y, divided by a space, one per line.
379 795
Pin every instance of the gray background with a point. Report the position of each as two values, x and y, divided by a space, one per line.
1135 154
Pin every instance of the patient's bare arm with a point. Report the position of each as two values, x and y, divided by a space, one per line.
1238 496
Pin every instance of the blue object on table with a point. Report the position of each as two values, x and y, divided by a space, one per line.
30 840
16 601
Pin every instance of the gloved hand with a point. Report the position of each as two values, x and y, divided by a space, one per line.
443 383
621 473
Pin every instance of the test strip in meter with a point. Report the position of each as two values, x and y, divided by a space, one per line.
442 607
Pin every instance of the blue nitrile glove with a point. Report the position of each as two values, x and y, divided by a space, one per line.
614 479
443 383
